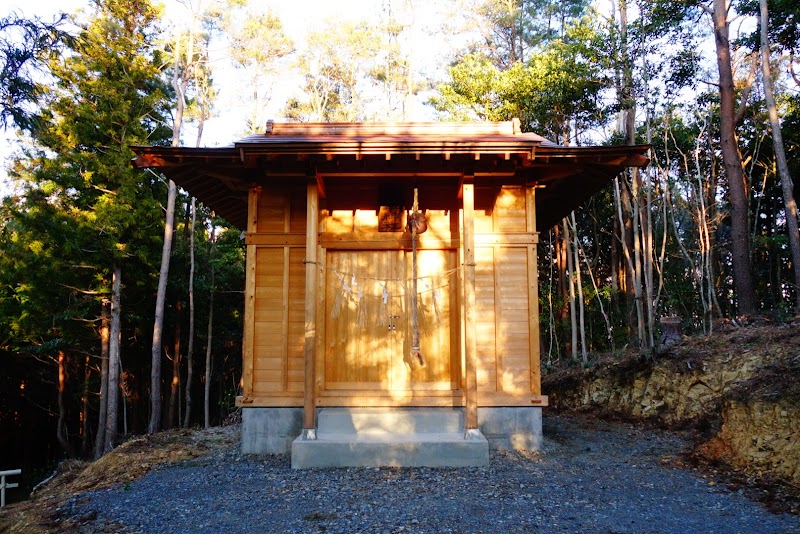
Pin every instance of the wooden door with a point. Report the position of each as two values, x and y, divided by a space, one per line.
368 327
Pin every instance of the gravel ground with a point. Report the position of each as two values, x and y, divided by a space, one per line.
591 477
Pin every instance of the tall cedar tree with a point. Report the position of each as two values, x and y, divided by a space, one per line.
738 186
84 203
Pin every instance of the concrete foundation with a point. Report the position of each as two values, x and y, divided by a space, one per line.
270 430
273 431
512 428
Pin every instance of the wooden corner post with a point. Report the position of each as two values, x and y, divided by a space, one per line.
470 348
310 340
533 294
248 356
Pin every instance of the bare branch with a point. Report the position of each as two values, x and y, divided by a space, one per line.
85 291
748 88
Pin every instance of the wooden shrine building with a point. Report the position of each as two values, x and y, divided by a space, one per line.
391 300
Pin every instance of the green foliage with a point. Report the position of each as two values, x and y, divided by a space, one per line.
108 96
784 24
515 30
791 131
553 92
189 67
339 66
473 92
561 85
25 46
257 45
259 41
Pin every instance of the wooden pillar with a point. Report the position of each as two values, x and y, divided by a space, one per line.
533 294
310 349
470 348
248 356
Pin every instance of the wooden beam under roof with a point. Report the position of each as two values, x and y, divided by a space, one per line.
495 153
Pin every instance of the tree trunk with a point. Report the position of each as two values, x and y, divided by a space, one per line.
626 244
105 324
646 216
87 376
637 267
626 96
61 425
155 353
713 215
648 260
180 81
562 292
571 281
629 200
207 404
609 330
635 285
617 266
579 283
706 261
190 348
737 185
551 321
174 394
203 105
115 333
790 205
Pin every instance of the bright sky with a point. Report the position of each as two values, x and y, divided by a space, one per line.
298 17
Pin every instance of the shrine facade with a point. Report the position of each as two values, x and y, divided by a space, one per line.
391 292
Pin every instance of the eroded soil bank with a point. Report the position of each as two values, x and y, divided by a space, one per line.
739 387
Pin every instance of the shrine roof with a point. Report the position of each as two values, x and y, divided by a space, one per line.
394 136
496 153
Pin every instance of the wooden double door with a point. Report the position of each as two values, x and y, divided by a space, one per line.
368 323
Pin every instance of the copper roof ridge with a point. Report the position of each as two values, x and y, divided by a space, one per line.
277 129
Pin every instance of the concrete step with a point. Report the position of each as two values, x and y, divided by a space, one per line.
429 449
382 421
397 437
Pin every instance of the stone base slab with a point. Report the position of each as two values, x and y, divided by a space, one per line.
393 450
273 430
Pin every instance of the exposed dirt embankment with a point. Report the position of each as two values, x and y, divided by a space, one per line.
759 437
740 386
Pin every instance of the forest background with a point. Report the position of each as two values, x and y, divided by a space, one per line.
121 296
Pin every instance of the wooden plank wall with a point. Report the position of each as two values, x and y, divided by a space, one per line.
279 295
504 311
